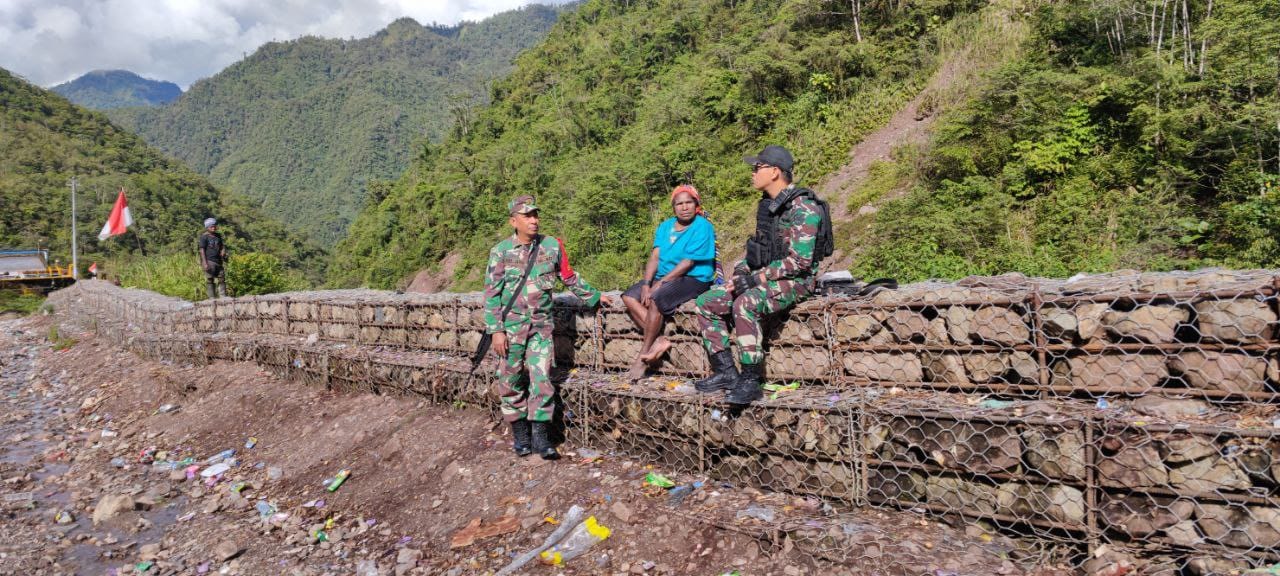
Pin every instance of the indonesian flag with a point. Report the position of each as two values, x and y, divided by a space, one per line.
120 219
93 268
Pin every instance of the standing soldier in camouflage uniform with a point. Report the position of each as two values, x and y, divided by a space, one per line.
523 339
777 273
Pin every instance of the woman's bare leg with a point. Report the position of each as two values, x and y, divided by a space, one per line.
654 344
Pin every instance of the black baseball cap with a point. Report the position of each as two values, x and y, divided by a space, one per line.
776 156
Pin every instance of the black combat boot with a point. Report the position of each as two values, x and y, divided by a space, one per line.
542 441
748 389
520 431
723 374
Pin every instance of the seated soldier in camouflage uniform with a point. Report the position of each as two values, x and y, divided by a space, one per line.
778 272
523 339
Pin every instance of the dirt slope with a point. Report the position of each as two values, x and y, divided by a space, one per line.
83 423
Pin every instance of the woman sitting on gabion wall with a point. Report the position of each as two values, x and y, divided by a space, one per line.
681 266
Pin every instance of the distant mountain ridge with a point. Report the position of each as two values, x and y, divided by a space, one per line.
306 127
107 89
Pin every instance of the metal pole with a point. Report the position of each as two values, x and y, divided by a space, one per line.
75 253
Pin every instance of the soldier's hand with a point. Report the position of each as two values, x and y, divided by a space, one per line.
606 300
499 344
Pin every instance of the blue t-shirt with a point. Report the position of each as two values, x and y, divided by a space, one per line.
697 243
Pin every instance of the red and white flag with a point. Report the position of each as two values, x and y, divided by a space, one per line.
120 219
93 268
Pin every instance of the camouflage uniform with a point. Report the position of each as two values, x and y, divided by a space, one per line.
788 282
528 325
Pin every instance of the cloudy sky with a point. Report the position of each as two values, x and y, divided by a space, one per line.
52 41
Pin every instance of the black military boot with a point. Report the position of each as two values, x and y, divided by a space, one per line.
542 441
723 374
748 388
520 431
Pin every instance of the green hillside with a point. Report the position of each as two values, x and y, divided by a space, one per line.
44 140
622 102
106 89
1096 141
1149 141
305 127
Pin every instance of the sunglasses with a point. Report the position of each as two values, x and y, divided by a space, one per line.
756 167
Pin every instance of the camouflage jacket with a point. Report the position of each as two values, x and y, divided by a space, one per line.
532 309
798 225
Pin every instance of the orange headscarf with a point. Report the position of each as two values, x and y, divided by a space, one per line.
692 192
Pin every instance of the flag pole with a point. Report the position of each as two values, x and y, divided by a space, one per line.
137 236
137 233
75 254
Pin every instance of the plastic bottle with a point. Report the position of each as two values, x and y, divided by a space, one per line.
223 455
581 539
338 480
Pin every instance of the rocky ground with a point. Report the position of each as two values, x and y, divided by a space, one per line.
110 465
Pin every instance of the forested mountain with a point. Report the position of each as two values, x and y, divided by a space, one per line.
106 89
305 127
1107 134
45 140
623 101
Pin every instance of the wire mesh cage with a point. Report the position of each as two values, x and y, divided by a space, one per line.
1124 422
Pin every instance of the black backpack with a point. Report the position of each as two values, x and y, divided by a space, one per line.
826 245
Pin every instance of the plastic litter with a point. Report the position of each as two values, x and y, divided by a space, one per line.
338 480
993 404
251 442
219 457
676 495
275 473
571 519
577 543
143 566
216 469
118 462
1103 404
166 408
780 388
761 513
655 479
109 433
589 455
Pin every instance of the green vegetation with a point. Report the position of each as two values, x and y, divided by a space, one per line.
1130 134
623 101
179 275
45 140
105 89
59 341
306 128
17 301
257 273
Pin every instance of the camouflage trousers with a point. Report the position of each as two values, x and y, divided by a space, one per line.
747 310
536 402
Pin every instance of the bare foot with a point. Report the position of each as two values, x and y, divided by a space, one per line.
655 353
637 371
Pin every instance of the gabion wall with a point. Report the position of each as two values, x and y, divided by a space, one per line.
1102 421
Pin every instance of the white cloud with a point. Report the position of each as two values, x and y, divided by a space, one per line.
52 41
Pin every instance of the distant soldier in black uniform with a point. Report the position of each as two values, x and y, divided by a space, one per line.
213 259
